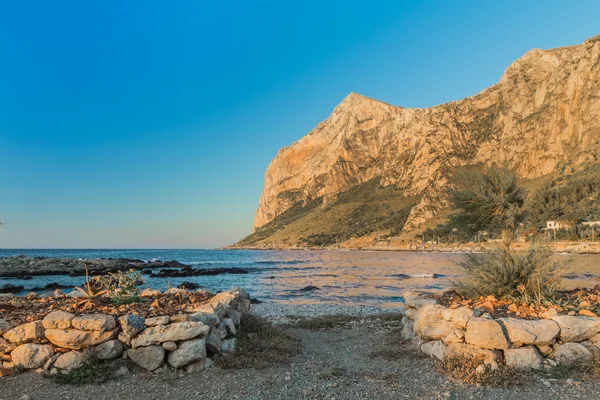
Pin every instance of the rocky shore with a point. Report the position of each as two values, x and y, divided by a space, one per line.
24 267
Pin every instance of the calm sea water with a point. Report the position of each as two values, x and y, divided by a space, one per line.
350 277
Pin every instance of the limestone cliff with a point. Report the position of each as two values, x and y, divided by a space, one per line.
543 115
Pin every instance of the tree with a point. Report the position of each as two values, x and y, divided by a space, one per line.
487 198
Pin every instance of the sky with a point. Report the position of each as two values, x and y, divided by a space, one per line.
149 124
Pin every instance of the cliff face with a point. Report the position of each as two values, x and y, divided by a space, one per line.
543 114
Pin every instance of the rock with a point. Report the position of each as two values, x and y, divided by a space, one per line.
466 351
10 288
71 360
188 285
434 349
309 288
169 346
221 330
6 347
407 332
58 320
243 305
58 294
520 331
569 353
235 316
31 355
411 313
124 338
150 357
222 302
523 358
214 342
545 349
170 333
4 327
179 318
172 291
50 363
76 294
162 320
76 339
587 313
416 300
195 366
461 316
32 331
550 313
108 350
209 319
188 351
132 324
229 345
94 322
150 293
485 333
576 329
229 325
595 338
457 336
430 324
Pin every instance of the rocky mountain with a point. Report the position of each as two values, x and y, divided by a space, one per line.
542 117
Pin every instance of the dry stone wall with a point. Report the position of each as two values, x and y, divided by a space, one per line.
443 332
62 341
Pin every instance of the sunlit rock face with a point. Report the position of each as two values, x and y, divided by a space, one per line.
543 114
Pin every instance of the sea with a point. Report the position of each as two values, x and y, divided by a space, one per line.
340 277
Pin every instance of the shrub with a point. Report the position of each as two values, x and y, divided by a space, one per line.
121 287
530 275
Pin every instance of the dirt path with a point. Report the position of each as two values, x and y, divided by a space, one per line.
334 364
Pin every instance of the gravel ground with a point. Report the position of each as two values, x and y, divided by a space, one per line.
334 364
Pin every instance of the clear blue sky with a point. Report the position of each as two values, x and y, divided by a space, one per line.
131 124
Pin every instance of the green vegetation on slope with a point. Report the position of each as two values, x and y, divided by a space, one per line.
360 211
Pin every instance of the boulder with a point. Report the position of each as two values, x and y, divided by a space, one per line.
569 353
411 313
539 332
124 338
150 357
461 316
58 320
235 316
31 355
576 329
94 322
222 302
243 306
76 339
196 366
466 351
229 325
545 349
417 300
229 345
4 326
6 347
169 346
430 324
523 358
595 338
32 331
162 320
71 360
108 350
214 341
434 349
207 318
187 352
221 330
132 324
457 336
170 333
485 333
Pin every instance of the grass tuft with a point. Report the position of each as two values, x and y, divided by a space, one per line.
92 373
260 345
465 370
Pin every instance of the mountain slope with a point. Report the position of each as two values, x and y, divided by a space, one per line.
542 116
